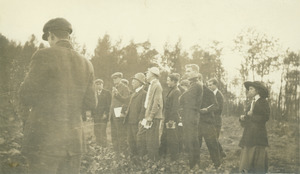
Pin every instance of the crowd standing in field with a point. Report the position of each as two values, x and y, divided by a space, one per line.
60 88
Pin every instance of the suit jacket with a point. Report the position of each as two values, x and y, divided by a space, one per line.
58 88
135 109
209 101
103 107
155 101
218 112
171 105
119 100
192 97
255 132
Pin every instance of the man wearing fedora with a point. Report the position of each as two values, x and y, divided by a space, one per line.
190 104
254 139
120 94
101 112
59 88
153 114
135 112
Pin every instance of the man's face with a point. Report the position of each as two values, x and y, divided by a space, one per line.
116 80
252 92
99 86
190 73
170 83
211 86
135 83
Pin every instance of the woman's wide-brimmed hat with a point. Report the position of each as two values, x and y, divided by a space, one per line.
262 89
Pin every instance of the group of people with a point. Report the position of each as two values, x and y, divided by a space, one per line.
60 87
145 122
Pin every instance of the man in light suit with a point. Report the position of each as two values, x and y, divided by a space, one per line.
58 88
153 114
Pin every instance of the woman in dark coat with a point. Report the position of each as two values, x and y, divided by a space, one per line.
254 140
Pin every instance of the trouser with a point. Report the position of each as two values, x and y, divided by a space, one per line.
132 130
218 130
151 141
208 132
169 142
190 130
118 135
181 144
47 164
100 133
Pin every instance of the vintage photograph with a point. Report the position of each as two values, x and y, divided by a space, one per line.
149 86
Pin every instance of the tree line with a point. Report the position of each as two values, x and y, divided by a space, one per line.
261 56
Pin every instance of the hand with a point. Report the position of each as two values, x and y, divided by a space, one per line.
242 117
203 111
104 117
250 113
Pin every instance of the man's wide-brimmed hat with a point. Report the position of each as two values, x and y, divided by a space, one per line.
56 24
263 90
139 77
154 70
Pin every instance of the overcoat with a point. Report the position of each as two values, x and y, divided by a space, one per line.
103 107
155 101
58 88
255 132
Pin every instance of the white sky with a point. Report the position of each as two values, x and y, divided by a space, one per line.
195 21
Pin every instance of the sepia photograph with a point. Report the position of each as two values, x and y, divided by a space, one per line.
149 86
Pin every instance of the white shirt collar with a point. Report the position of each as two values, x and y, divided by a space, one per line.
215 91
256 97
139 88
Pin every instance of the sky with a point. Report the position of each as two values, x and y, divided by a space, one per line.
159 21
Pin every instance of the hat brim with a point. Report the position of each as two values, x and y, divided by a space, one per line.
45 36
264 90
138 80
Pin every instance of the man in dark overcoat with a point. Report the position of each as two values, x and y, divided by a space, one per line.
101 112
59 88
135 112
169 139
190 103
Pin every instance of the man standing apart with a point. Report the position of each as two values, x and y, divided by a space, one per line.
59 88
190 103
120 94
153 115
213 85
100 114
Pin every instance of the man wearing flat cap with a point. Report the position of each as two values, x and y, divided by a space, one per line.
58 88
101 112
120 96
134 113
153 115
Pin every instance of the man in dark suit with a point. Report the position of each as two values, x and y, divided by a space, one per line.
59 88
169 139
213 85
135 112
190 103
120 94
100 114
207 128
